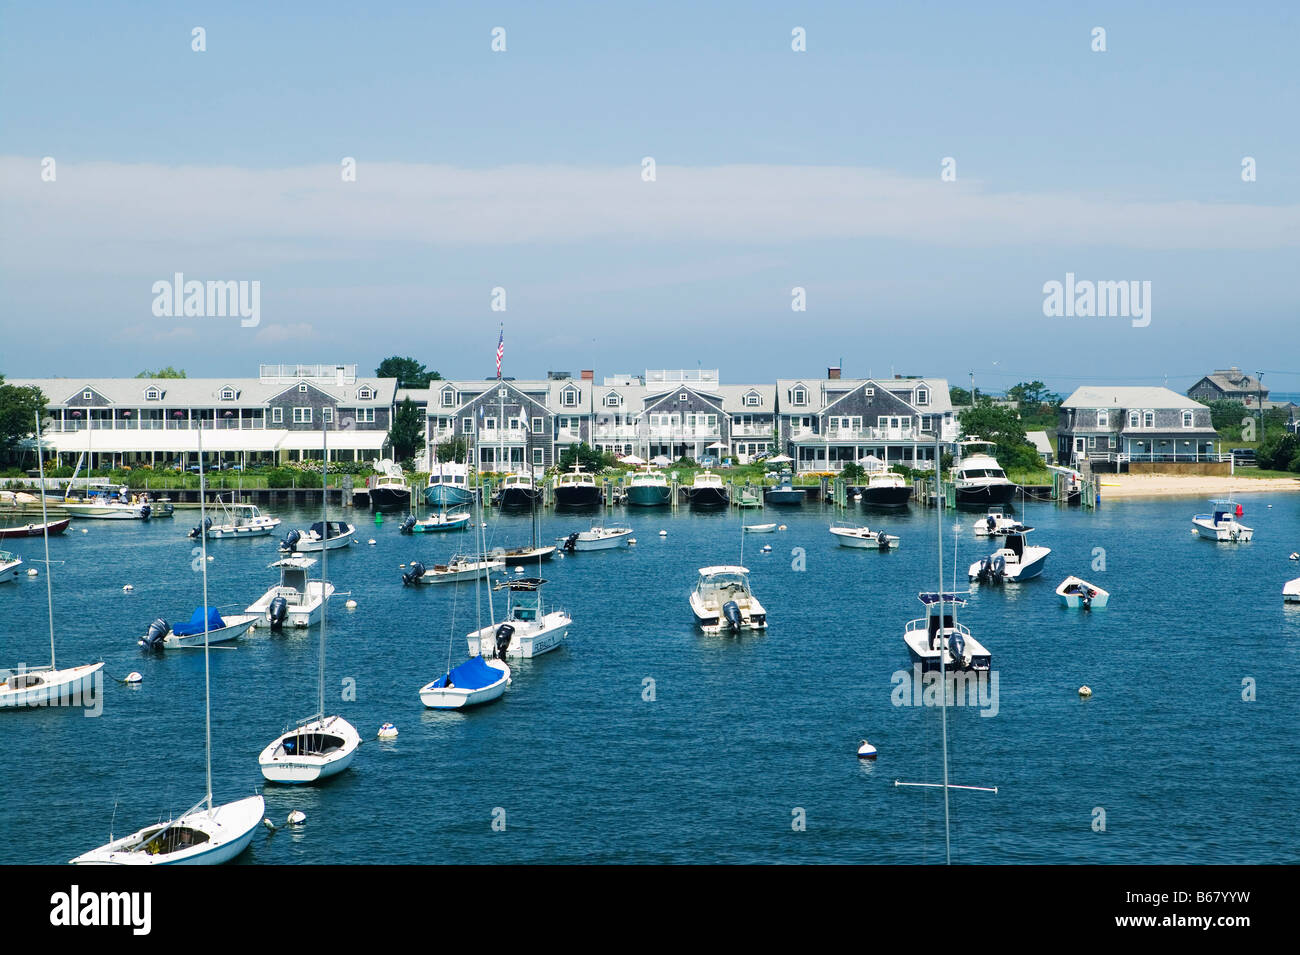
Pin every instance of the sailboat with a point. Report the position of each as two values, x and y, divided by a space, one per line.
207 834
319 746
43 686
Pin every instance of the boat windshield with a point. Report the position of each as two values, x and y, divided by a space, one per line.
724 586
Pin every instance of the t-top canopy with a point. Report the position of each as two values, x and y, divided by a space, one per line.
933 598
520 583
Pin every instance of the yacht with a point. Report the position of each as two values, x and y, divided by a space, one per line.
577 488
528 630
518 491
1014 561
323 535
886 489
707 490
649 488
978 478
296 600
448 485
240 520
1221 523
722 601
598 538
1291 591
389 490
938 641
119 506
848 534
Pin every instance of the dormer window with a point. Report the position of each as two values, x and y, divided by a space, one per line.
922 396
365 393
150 394
449 397
1187 419
753 399
799 396
1148 419
1133 419
613 400
227 394
1103 418
569 397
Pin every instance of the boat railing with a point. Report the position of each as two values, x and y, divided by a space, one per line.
923 623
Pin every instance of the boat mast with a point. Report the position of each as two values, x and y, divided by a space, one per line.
207 676
943 674
324 560
45 519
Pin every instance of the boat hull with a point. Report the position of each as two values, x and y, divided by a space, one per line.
649 495
390 499
35 530
236 531
437 525
708 496
230 829
601 543
518 498
985 495
526 642
579 496
940 658
232 631
458 698
785 497
447 495
331 742
1074 601
66 687
891 497
1224 534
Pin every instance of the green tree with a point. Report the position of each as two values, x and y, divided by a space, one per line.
583 454
19 405
405 432
853 473
958 396
408 372
1003 427
1280 451
168 372
457 449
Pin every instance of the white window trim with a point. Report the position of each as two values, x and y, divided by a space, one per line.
277 416
152 394
302 387
448 398
922 396
467 425
538 426
302 415
1103 418
1189 419
799 396
365 394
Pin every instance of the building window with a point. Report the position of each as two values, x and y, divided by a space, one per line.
467 425
682 396
87 396
569 397
799 396
1187 419
365 415
1092 443
1148 419
489 424
327 415
922 396
537 426
752 400
302 416
869 392
302 388
277 416
613 401
150 394
1133 419
537 456
365 394
1103 419
1110 442
448 398
227 394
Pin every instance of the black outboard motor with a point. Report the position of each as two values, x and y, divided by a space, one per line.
408 525
158 630
1085 598
200 529
571 542
990 522
145 511
731 610
290 542
998 569
957 647
505 633
882 540
985 571
414 574
278 612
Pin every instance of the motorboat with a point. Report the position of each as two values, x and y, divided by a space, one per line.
448 485
649 488
297 600
722 601
36 530
760 528
1291 591
119 506
1015 561
527 630
978 479
518 491
938 641
848 534
435 523
1221 523
388 489
598 538
478 680
886 489
996 524
323 535
219 629
577 488
707 490
785 493
9 565
1077 594
459 567
238 520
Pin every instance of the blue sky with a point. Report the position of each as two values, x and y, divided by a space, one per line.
775 169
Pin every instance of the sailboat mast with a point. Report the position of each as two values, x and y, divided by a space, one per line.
207 675
324 560
943 674
45 519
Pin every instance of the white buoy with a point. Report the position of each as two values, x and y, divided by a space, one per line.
1085 691
631 541
388 731
31 572
1295 556
351 604
296 818
401 566
127 588
866 750
371 542
210 557
663 533
767 548
84 531
781 528
519 570
266 821
133 678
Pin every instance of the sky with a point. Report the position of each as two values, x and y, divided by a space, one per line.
127 157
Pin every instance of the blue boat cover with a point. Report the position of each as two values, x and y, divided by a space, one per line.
473 674
195 625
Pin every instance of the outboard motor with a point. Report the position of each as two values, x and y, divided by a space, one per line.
985 571
998 569
199 529
882 539
414 574
145 511
957 647
290 542
990 522
408 525
278 612
505 633
731 610
570 542
1085 598
158 630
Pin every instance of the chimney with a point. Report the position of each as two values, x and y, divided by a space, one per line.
833 373
588 375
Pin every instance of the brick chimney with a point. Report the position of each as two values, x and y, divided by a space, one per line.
588 374
833 373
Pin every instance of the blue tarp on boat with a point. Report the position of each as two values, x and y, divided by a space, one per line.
195 625
473 674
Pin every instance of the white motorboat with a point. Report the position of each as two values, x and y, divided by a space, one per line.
207 834
759 528
1221 524
938 641
216 628
707 490
459 567
995 524
598 538
9 565
238 520
323 535
121 506
722 601
435 523
478 680
849 534
528 630
1291 591
978 479
1076 593
321 745
297 600
1015 561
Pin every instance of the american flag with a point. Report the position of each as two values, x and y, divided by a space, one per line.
501 350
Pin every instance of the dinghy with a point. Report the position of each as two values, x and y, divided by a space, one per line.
36 530
1076 593
760 528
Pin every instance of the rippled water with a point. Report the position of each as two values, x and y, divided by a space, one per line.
742 733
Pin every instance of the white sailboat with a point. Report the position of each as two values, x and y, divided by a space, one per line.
46 686
320 746
207 834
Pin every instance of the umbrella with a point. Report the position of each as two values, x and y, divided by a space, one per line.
717 446
630 459
661 460
780 459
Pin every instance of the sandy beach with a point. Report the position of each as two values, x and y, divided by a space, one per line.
1122 486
